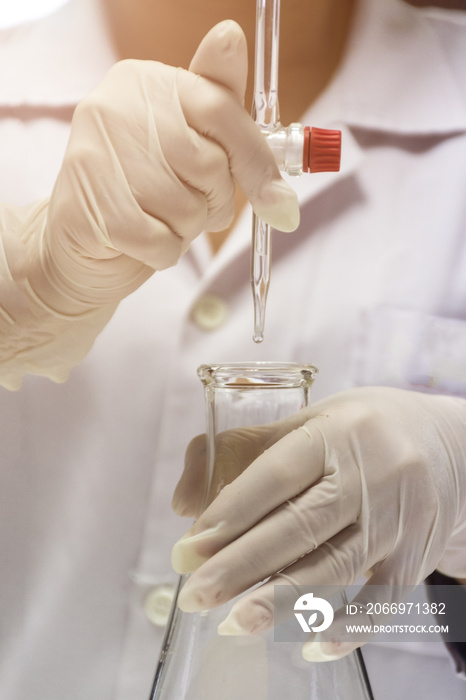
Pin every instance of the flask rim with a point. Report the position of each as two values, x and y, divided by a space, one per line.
261 374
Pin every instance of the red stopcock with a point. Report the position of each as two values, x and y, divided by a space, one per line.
321 150
301 149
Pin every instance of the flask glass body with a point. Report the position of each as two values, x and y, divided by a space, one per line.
198 664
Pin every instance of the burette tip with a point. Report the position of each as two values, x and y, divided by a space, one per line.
258 337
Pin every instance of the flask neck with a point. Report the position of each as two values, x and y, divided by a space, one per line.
241 400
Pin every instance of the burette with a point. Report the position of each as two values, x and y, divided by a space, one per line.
296 148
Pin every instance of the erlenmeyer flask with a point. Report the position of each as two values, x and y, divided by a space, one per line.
198 664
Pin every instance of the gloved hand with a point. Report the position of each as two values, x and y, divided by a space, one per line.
152 161
373 480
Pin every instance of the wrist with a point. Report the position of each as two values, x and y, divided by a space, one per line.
70 282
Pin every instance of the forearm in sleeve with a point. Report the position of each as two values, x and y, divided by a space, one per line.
36 334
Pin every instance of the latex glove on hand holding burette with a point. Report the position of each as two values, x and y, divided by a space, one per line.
152 161
368 480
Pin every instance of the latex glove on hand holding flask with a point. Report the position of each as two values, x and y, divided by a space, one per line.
368 480
152 161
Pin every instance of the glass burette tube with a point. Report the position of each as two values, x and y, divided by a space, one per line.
265 112
296 148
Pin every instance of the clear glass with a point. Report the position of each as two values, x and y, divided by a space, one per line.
265 112
285 142
198 664
287 145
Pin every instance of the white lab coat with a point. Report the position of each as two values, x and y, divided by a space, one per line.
371 289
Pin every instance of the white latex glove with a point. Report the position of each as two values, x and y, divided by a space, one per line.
374 481
152 160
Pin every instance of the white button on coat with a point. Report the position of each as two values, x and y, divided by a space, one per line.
209 312
158 603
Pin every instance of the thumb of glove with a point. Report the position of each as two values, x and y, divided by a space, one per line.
222 56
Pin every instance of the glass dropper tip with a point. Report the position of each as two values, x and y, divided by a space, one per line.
260 299
259 314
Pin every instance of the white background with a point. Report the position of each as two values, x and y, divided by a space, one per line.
16 11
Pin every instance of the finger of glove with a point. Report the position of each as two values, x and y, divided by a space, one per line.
155 159
97 229
284 536
222 56
280 473
235 450
287 469
374 605
116 166
190 491
215 113
339 561
198 162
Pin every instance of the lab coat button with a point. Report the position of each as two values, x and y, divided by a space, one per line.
209 312
157 604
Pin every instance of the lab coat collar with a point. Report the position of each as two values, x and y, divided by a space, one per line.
56 60
395 74
374 89
394 78
380 86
